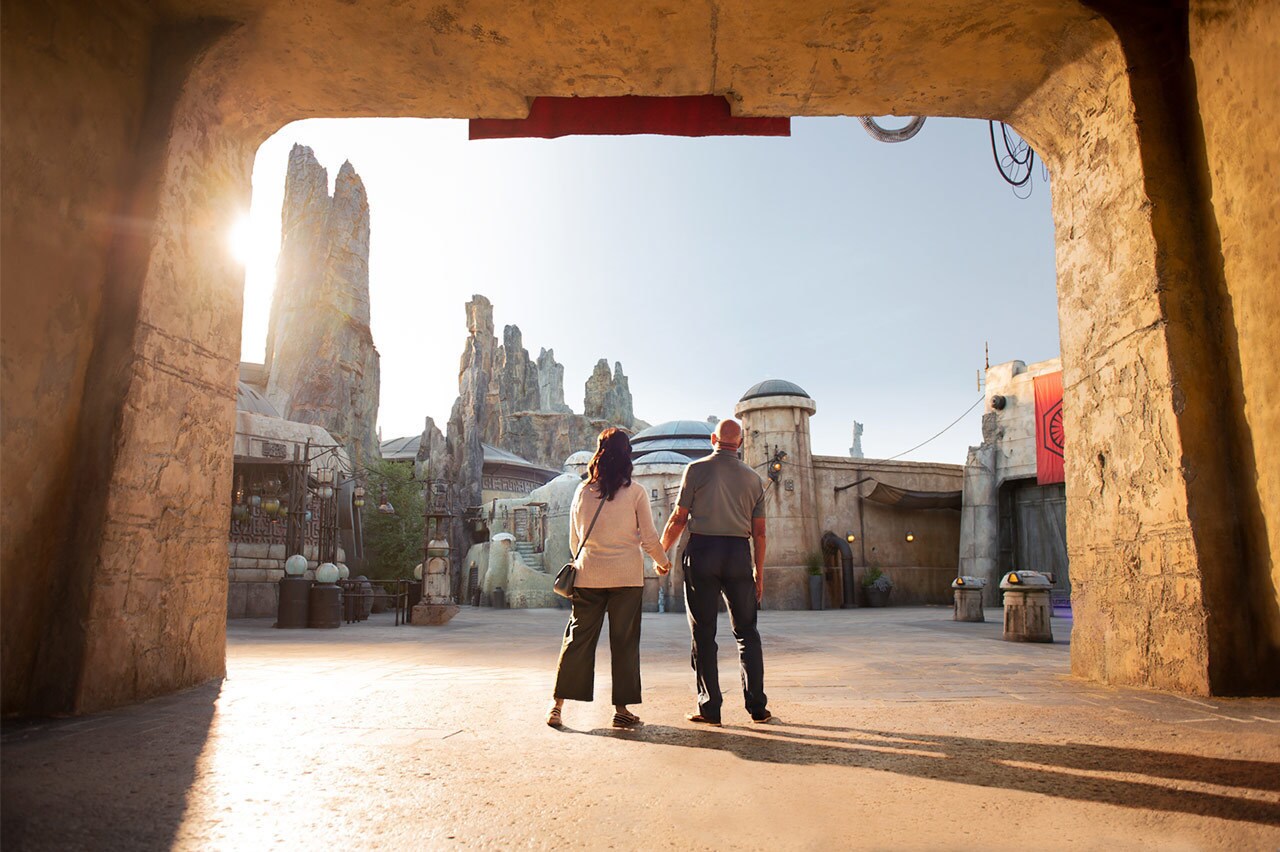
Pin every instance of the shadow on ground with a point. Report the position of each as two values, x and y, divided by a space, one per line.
1076 771
52 795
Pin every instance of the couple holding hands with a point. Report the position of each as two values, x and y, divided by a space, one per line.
610 523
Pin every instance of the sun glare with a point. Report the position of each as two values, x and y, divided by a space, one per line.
240 240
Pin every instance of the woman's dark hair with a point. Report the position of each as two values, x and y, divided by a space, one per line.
610 467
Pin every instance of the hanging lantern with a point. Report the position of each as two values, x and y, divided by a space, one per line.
359 496
271 504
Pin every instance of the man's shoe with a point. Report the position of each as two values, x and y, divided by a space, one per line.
763 718
702 720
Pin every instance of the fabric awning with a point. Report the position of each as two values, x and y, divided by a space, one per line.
904 499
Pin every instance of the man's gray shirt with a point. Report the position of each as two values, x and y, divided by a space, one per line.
722 495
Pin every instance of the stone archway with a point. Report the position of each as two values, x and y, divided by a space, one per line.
136 159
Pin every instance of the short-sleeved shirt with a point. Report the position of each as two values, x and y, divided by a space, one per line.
722 494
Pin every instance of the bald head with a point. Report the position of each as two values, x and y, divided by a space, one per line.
727 435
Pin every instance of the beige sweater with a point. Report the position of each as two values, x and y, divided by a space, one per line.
611 558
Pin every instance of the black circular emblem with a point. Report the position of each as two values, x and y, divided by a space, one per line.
1051 429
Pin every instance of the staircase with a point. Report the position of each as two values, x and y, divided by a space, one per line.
530 556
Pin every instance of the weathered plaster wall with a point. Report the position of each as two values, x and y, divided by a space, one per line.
922 570
1235 51
1015 424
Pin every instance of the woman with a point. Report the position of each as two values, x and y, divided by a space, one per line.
610 521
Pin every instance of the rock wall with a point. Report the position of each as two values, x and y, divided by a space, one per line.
608 396
551 383
523 408
321 364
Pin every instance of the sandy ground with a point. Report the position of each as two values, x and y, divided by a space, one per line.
896 728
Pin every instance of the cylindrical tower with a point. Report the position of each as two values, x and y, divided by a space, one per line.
775 423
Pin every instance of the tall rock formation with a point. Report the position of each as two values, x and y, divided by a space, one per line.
517 404
321 365
551 383
608 396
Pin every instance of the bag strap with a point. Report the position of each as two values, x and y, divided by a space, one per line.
594 518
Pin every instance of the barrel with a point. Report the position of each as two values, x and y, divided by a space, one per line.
295 593
326 606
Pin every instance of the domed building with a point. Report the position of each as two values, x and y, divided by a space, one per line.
690 438
853 514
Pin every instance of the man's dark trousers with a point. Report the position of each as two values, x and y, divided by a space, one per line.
715 565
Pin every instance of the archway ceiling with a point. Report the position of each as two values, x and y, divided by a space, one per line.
483 58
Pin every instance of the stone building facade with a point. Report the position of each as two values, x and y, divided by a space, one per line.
264 442
815 499
1008 520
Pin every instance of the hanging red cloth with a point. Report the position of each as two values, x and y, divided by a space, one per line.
1049 436
629 115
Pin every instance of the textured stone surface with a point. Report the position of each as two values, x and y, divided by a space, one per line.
550 383
523 408
321 364
129 134
608 395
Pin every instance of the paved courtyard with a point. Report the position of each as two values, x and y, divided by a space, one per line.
898 728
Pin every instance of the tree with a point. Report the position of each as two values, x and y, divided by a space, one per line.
393 542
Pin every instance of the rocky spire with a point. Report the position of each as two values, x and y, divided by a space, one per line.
321 364
608 396
550 383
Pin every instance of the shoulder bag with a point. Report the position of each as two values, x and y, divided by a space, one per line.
568 575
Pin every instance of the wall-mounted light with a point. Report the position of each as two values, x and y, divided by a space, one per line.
775 466
850 537
911 536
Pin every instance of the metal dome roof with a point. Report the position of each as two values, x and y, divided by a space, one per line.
675 429
400 448
662 457
580 457
773 387
248 399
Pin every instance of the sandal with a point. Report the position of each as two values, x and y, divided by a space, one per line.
626 720
553 718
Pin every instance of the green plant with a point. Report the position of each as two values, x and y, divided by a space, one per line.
813 563
874 578
393 543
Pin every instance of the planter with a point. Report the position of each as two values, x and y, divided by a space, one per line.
815 591
876 597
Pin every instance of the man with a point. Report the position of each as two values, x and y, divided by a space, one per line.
722 503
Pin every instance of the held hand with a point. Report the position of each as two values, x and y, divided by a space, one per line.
662 570
759 587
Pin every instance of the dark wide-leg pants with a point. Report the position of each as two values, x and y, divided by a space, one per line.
713 566
576 671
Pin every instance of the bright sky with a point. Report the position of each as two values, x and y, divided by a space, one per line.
870 274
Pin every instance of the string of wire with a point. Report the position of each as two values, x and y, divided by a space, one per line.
1018 156
939 434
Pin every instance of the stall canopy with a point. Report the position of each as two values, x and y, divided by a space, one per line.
905 499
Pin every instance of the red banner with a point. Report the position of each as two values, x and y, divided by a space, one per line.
627 115
1049 438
